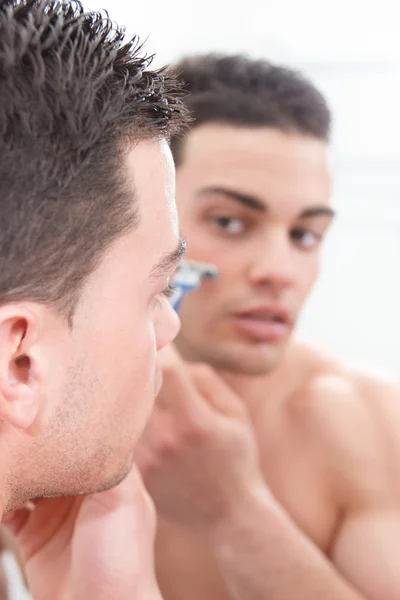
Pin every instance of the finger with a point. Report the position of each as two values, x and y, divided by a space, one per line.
169 357
178 392
158 423
158 443
216 391
15 520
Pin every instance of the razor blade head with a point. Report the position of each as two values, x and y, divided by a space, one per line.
190 269
188 276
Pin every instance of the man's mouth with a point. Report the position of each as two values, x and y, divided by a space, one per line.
266 324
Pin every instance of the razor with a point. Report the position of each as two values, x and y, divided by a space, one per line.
188 276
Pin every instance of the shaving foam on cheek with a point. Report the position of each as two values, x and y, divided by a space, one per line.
188 277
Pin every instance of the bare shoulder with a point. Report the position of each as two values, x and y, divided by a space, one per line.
351 417
330 387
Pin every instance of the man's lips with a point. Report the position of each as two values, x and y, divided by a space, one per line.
263 323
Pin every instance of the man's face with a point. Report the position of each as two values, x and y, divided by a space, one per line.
254 202
104 373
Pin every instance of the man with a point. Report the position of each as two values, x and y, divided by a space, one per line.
88 240
274 467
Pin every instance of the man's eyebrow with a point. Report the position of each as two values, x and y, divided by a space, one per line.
169 260
317 211
245 199
256 204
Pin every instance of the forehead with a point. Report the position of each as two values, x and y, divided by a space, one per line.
262 161
151 178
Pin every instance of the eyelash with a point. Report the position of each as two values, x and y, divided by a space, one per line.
298 234
222 223
168 292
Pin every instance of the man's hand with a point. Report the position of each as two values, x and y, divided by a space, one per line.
98 547
198 455
200 464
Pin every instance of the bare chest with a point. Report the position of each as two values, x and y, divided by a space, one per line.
300 484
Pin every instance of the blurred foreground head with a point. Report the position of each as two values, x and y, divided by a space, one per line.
88 239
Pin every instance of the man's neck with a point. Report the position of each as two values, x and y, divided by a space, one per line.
256 389
297 366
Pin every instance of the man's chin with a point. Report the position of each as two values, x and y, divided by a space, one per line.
118 476
256 368
242 360
252 359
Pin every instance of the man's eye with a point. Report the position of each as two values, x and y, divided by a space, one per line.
305 238
165 294
231 225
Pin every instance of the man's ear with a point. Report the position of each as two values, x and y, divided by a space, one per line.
19 376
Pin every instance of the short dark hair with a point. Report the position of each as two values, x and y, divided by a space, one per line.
241 91
72 92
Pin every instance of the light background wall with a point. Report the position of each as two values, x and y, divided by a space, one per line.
351 49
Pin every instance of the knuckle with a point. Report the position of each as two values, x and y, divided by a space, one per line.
149 466
194 431
167 446
170 373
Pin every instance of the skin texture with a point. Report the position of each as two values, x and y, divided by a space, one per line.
273 466
75 399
